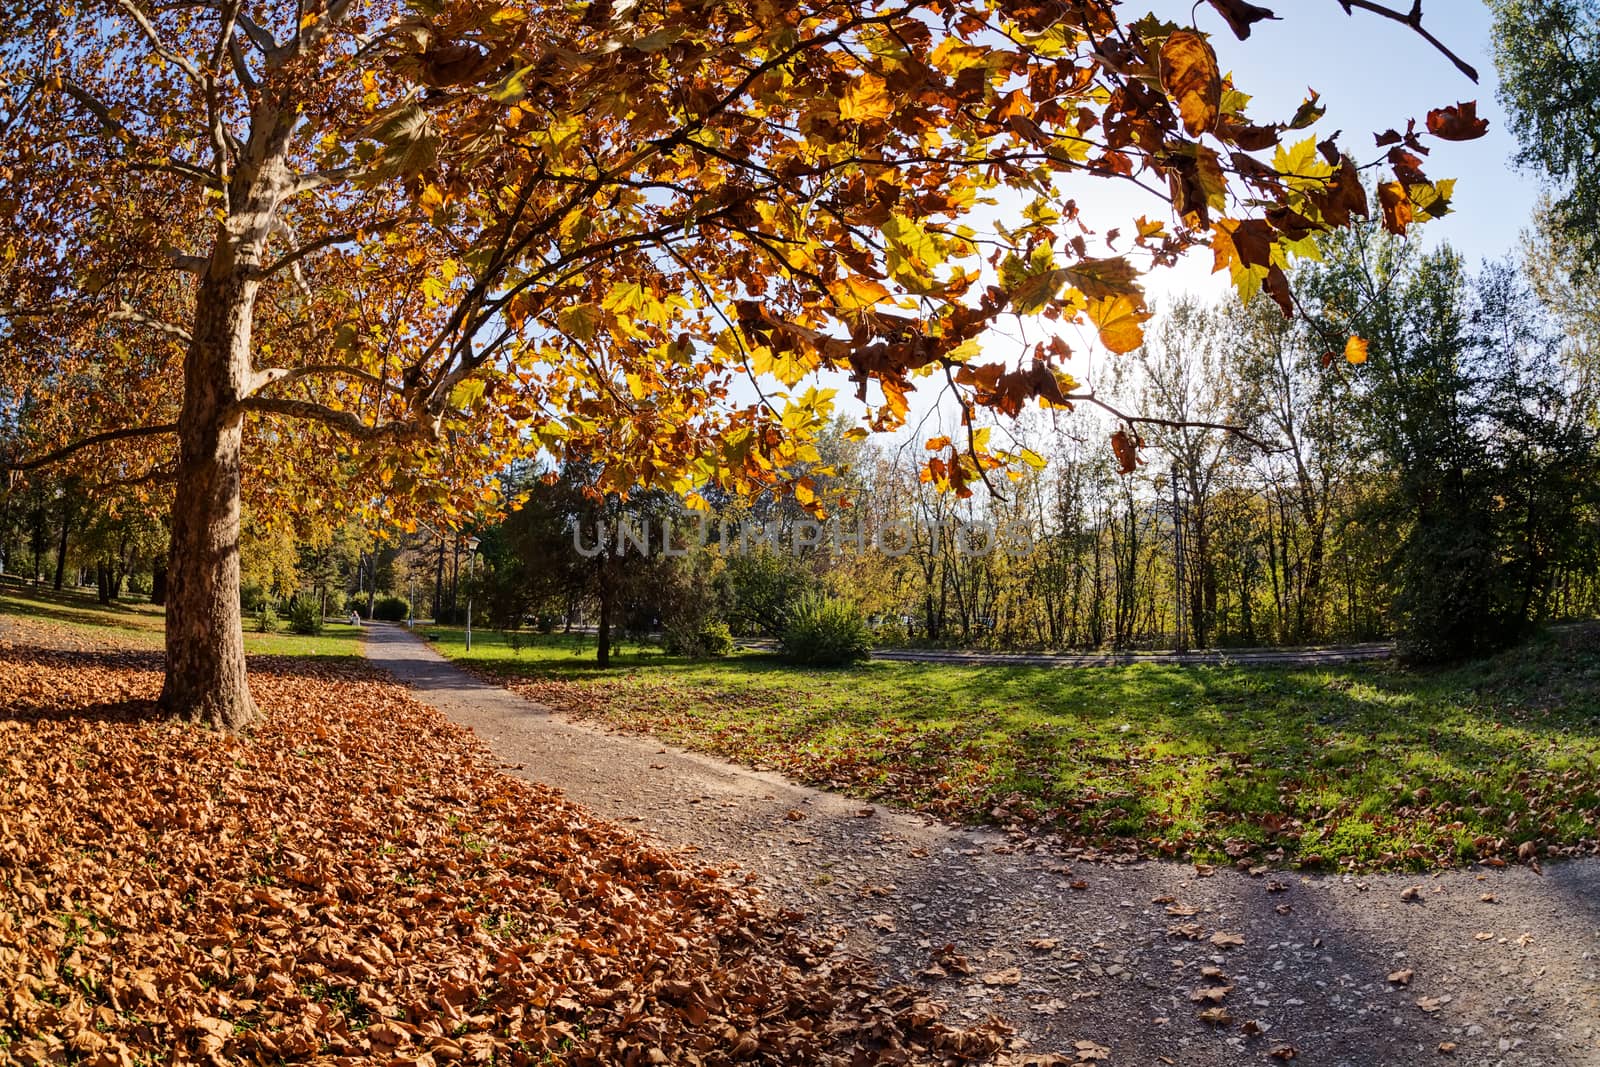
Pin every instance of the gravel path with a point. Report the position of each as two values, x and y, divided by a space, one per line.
1505 964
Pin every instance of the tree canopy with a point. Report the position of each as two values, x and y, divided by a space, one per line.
1548 55
396 245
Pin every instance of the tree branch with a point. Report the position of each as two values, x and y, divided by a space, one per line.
346 421
148 29
1176 424
273 375
124 313
1413 18
88 442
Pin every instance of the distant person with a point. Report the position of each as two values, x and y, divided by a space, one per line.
355 617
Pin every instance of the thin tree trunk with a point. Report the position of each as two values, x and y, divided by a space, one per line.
205 679
158 584
61 544
602 654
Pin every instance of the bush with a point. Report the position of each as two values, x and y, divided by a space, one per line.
305 617
824 631
516 640
253 597
547 624
391 609
891 632
456 616
711 638
266 619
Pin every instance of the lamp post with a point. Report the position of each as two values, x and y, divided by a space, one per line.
472 559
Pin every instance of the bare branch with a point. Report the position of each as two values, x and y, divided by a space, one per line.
259 37
1175 424
88 442
345 421
274 375
1413 18
125 313
289 259
146 27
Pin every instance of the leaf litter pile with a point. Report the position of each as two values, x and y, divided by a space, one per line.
357 883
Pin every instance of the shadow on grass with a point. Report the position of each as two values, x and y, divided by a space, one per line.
1370 763
76 610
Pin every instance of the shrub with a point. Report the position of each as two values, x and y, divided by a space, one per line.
305 617
266 619
824 631
516 641
391 609
253 597
456 616
891 633
547 624
711 638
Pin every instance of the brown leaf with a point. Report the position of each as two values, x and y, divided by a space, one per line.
1190 75
1459 122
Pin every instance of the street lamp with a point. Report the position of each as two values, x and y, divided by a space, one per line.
472 548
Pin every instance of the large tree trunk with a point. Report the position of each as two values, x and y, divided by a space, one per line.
205 680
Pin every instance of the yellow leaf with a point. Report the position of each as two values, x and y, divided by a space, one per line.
1120 322
1355 350
856 293
866 100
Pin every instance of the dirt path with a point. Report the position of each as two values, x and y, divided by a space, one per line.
1506 964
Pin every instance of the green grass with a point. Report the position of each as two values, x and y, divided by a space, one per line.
1362 766
138 623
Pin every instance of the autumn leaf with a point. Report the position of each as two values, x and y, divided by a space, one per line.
1120 321
1459 122
1355 350
854 293
1126 448
866 100
1189 74
1398 212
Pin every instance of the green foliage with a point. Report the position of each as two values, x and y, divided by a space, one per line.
710 638
824 631
1548 56
1468 408
391 609
890 632
266 618
305 616
761 587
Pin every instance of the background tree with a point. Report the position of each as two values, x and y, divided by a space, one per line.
1548 56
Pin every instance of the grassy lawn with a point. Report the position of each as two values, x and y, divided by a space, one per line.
1362 766
139 623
